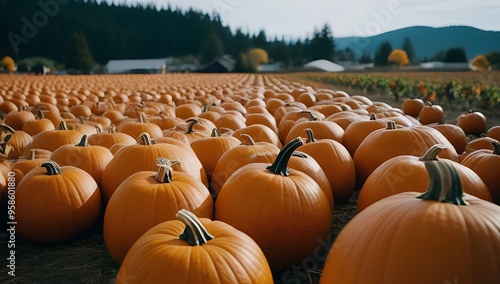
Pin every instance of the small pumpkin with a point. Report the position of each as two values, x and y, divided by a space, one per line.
15 143
472 123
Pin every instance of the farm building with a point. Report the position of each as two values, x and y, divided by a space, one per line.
137 66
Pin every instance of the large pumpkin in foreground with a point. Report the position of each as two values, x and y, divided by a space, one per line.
284 210
55 204
194 251
442 236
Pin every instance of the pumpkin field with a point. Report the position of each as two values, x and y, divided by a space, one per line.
250 178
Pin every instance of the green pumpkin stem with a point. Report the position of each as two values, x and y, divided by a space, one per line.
496 148
63 125
432 153
195 233
214 133
164 173
310 135
145 139
311 116
191 123
7 128
280 165
52 168
445 183
84 142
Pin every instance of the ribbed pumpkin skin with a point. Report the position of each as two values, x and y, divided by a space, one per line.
159 256
234 159
337 164
486 164
285 215
51 209
107 140
406 173
135 158
141 202
51 140
402 239
92 159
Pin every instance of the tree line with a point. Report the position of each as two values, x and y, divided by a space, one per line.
86 34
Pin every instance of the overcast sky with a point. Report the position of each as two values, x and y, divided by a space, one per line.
299 18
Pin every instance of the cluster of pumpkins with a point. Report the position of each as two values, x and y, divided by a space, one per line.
234 178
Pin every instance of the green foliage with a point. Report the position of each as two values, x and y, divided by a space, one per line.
494 59
455 55
211 48
365 58
78 55
382 54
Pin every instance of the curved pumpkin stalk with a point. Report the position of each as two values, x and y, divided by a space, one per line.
280 165
195 233
83 142
311 115
310 135
248 139
445 183
63 126
191 123
496 148
52 168
432 153
7 128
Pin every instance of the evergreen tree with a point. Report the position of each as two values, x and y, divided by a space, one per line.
455 55
365 58
408 48
211 47
382 54
78 55
322 45
260 41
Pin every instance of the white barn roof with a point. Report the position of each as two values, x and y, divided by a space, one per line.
324 65
126 65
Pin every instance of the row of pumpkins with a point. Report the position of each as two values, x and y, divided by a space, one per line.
236 181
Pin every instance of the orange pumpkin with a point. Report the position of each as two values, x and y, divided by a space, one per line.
412 106
290 200
472 123
15 143
92 159
136 128
407 173
55 204
357 131
430 114
234 159
420 238
51 140
146 199
40 124
142 157
485 164
194 251
108 139
335 161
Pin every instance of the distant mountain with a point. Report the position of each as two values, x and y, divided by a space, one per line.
428 41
